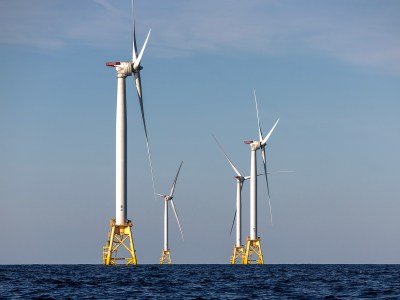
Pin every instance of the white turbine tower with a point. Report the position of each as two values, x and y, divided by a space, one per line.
165 254
120 227
253 246
238 249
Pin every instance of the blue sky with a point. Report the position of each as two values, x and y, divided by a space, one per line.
330 70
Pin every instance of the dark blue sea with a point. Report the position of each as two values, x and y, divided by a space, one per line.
200 282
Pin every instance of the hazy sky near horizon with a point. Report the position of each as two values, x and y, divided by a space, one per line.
330 70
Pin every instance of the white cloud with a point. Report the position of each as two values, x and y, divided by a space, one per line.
355 32
364 33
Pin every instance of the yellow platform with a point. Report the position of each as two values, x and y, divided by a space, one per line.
237 255
119 238
253 253
165 257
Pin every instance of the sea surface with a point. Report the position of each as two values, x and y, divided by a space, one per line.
200 282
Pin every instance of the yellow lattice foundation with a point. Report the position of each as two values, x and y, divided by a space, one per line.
120 236
253 254
165 257
237 255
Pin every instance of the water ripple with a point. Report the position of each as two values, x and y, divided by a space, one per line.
200 282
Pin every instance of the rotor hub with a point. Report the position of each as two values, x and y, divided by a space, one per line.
240 178
136 70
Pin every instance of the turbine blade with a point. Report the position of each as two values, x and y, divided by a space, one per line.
162 196
139 58
138 86
232 165
246 177
265 168
258 119
264 141
134 49
270 211
138 82
266 179
233 223
174 183
177 219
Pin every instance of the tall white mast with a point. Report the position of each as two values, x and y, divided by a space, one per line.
125 69
253 192
165 225
238 211
120 153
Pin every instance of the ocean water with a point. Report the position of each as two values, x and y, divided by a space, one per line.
200 282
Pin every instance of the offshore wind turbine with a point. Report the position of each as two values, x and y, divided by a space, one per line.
120 227
166 253
253 246
238 249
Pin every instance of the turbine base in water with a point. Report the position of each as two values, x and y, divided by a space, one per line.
165 257
253 253
237 255
119 235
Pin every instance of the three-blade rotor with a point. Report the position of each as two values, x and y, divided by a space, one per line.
170 197
263 142
136 67
239 176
